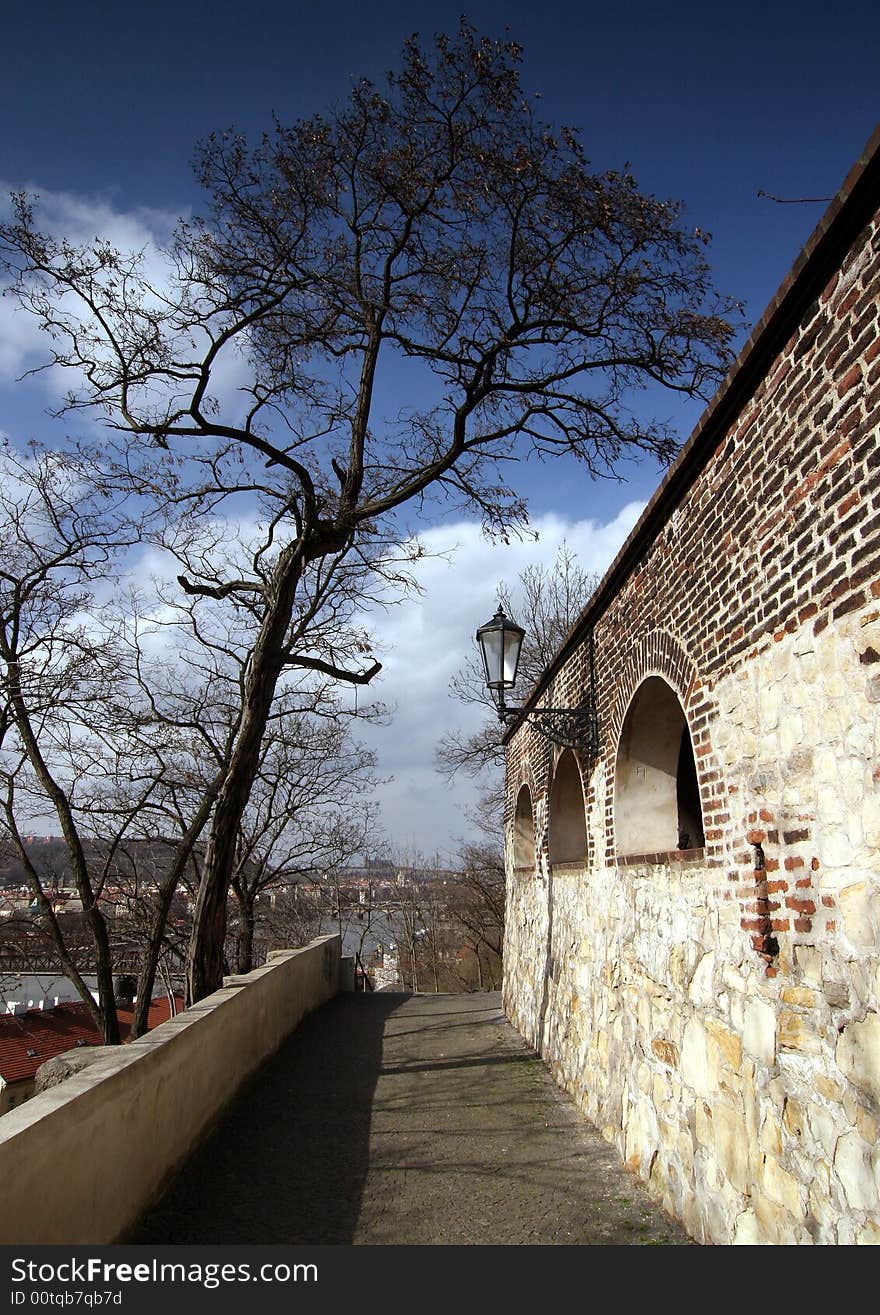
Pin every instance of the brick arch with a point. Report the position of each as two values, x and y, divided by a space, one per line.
657 654
524 829
566 811
525 777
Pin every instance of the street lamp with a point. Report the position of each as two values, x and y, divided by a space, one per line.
500 641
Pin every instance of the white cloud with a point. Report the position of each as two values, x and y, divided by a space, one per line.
426 639
82 220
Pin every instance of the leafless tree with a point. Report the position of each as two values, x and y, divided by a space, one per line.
432 240
121 725
59 541
546 601
477 899
309 814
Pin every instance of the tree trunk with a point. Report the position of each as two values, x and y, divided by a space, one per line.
107 1016
204 964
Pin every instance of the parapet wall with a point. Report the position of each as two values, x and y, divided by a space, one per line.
80 1163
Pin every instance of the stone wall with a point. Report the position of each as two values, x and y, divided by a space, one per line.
716 1009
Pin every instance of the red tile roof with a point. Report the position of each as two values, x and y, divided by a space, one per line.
50 1032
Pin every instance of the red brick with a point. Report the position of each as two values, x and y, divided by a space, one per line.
799 905
849 380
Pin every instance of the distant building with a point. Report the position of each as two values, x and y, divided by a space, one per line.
29 1037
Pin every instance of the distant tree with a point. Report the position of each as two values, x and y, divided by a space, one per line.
308 815
477 901
432 241
59 540
546 601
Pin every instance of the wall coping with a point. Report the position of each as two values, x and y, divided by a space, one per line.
86 1158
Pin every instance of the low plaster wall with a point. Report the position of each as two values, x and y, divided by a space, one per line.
81 1162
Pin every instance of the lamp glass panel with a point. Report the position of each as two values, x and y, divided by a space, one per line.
512 642
493 655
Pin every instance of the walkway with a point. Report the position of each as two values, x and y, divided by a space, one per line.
411 1119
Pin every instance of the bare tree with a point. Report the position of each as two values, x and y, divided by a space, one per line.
309 814
477 900
547 601
59 540
122 725
429 240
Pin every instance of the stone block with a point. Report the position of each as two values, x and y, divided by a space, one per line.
801 996
731 1146
771 1136
679 967
793 1117
828 1088
759 1033
696 1070
776 1224
704 1127
836 995
726 1045
781 1187
666 1051
747 1230
821 1207
856 912
826 765
835 849
809 962
852 1165
858 1055
797 1033
769 704
701 990
791 732
823 1127
866 1125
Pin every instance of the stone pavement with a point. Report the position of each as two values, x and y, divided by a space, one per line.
406 1119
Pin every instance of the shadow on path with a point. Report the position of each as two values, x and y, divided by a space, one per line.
393 1119
288 1161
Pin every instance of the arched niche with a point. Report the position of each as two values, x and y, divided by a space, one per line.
656 791
524 830
568 820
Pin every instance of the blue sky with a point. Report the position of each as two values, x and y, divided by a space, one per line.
708 104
